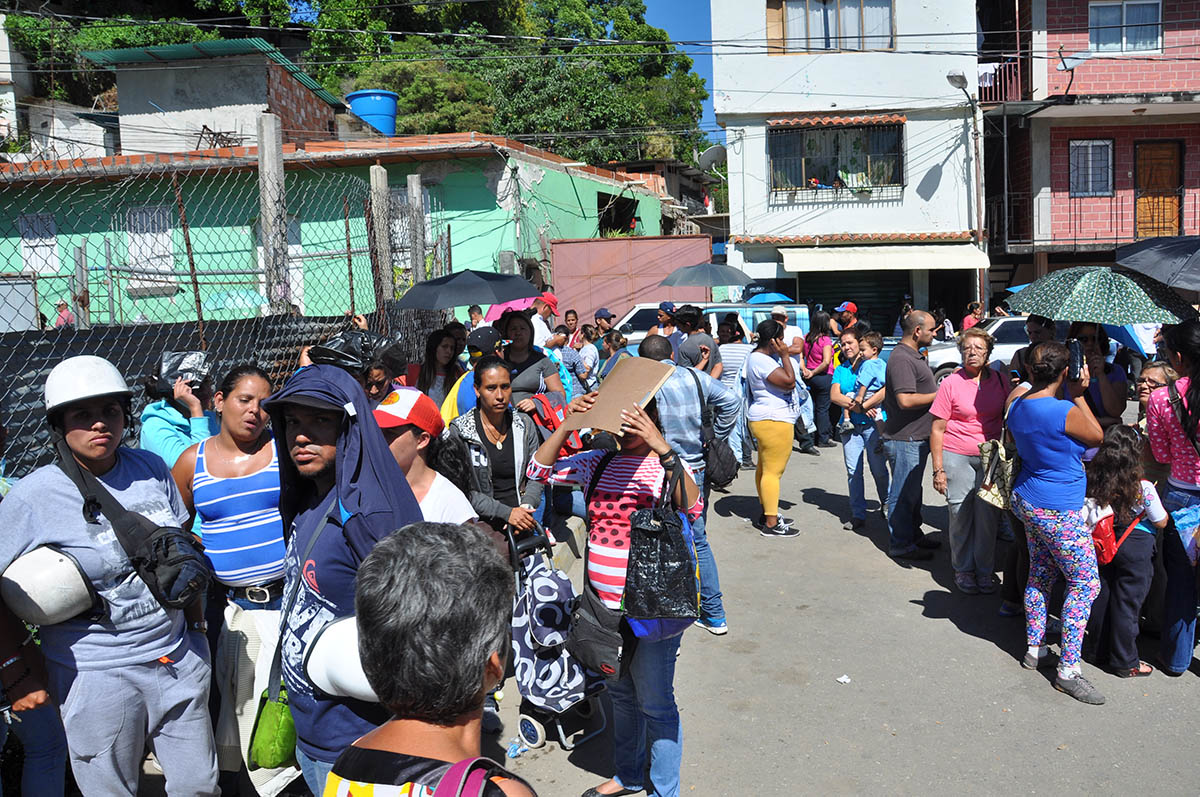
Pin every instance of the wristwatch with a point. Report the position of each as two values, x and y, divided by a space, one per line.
199 625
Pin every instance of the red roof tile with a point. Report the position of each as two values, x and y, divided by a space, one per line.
839 121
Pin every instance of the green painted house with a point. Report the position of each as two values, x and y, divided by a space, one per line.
173 237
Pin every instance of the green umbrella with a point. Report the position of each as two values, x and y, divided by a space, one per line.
1102 295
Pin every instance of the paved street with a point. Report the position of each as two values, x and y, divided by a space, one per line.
937 703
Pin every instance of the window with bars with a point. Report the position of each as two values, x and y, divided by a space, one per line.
1091 168
813 25
1125 27
854 157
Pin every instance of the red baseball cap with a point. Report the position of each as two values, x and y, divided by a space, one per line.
407 405
551 301
846 307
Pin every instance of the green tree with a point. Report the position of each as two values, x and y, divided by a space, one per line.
433 97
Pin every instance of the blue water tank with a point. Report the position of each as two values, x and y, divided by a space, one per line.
376 107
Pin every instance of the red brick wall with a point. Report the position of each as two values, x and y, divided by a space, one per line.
1066 24
1111 218
302 114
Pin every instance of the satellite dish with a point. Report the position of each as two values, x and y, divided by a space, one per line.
711 157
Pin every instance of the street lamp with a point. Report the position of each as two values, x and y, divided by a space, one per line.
958 80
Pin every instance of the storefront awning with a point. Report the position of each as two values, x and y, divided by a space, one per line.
883 258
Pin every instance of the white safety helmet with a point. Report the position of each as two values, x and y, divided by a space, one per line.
332 663
84 377
47 586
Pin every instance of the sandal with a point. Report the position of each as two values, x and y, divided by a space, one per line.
1136 672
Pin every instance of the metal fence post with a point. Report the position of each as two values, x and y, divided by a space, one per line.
272 215
80 295
349 255
381 245
110 281
187 244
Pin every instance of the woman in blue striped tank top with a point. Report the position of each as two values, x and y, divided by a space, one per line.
230 482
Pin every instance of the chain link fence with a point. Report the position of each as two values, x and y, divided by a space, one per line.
127 258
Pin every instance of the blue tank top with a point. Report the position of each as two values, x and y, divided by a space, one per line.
241 526
1051 474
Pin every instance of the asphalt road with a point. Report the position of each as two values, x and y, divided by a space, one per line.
936 704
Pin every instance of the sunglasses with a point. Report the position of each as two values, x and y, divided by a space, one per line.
1151 382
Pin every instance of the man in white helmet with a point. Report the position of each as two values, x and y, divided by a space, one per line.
126 672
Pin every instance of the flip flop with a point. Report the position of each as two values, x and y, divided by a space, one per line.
1136 672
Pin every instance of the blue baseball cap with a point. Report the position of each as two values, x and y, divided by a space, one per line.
667 307
603 312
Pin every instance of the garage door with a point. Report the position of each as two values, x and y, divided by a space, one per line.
878 294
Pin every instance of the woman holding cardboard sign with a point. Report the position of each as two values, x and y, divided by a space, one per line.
618 484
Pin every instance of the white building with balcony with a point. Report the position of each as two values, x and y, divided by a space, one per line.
852 157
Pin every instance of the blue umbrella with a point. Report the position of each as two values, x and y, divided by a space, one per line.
1017 288
768 298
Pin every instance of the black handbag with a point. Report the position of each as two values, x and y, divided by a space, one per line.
598 639
167 558
720 464
661 581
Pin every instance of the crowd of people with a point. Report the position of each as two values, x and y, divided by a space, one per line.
364 487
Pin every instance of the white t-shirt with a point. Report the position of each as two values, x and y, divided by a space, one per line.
445 503
769 403
790 333
541 332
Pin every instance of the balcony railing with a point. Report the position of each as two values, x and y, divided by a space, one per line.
1001 85
1063 222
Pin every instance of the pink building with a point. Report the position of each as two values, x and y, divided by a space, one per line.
1092 128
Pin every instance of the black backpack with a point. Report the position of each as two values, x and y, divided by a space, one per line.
720 463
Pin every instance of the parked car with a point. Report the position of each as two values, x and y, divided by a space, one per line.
641 317
1009 333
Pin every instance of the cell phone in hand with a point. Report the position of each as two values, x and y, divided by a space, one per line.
1074 360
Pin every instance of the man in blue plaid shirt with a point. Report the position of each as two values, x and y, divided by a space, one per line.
679 407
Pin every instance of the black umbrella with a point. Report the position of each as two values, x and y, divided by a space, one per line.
706 275
466 287
1173 261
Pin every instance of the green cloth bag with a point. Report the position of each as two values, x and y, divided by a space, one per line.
273 741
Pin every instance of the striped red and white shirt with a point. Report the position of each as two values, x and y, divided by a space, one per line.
629 482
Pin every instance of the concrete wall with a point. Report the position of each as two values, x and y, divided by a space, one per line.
57 132
15 82
805 82
225 94
749 89
303 116
1067 25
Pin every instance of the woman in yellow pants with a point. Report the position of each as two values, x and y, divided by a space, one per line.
771 379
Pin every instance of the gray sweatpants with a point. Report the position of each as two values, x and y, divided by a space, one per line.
973 521
111 715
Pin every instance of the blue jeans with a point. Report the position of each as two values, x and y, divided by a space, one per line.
1179 620
644 711
711 607
41 733
315 772
864 440
907 461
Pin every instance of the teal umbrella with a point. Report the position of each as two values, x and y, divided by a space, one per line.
1102 295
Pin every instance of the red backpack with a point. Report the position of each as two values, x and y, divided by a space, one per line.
1105 539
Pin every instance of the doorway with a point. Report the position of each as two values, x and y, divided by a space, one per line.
1158 189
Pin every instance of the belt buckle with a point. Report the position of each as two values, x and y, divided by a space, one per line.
258 594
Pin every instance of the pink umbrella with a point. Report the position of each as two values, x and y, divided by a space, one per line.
496 310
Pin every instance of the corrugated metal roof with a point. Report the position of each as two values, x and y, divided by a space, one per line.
209 49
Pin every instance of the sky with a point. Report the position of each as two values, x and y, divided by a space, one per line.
689 20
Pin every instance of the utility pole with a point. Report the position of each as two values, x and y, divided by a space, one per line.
381 234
